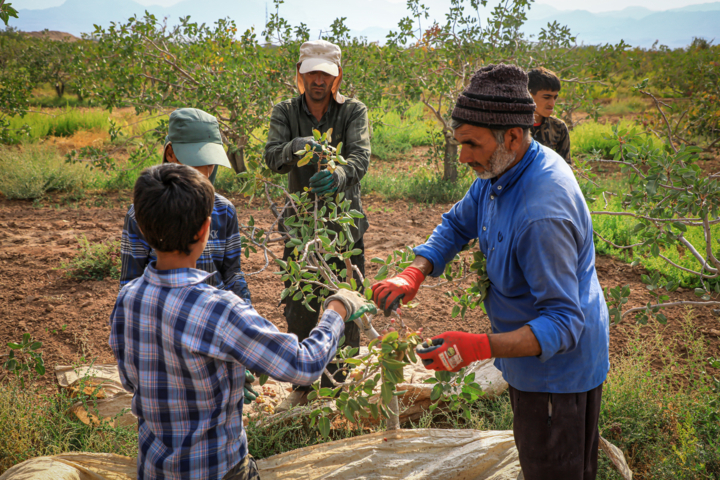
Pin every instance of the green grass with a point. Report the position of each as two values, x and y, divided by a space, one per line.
662 407
33 424
393 135
589 137
421 185
32 171
63 122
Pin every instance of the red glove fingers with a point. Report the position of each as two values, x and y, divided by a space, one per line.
388 293
452 351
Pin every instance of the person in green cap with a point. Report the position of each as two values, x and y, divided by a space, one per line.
194 139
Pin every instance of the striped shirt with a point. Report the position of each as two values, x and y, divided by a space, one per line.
182 347
221 256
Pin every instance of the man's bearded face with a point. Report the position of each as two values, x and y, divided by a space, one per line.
499 162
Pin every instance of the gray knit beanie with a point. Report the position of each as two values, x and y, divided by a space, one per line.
497 98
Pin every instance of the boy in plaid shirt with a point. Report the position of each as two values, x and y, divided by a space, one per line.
194 139
182 346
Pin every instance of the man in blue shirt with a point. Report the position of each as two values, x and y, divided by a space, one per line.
549 320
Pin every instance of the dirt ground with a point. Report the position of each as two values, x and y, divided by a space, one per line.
70 318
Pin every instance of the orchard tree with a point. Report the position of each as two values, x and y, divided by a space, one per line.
435 65
17 79
154 68
669 196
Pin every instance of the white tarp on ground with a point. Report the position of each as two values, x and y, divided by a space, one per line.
402 454
75 466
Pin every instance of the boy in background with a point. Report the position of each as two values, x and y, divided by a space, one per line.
544 86
182 346
194 139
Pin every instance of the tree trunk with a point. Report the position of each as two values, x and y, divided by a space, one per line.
60 89
450 161
237 160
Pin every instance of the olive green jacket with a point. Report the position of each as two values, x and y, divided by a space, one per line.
349 121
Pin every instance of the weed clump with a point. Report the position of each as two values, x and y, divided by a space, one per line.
94 261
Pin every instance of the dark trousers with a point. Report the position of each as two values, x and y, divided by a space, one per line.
557 434
301 321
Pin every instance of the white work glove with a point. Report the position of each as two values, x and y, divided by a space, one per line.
355 304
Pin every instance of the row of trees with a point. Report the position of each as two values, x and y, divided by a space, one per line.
238 76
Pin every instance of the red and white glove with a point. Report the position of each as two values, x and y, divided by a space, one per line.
452 351
388 293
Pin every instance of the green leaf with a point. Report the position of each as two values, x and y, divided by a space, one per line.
436 393
317 135
35 345
324 424
14 346
390 337
386 391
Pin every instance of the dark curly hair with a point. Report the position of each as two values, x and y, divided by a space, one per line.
172 202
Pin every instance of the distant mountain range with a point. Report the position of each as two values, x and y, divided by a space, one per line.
638 26
373 19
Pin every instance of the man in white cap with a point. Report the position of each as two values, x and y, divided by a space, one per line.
320 106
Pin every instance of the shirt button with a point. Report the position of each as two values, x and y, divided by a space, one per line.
484 228
492 197
499 187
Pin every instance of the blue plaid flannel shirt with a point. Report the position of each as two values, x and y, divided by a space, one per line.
221 256
182 347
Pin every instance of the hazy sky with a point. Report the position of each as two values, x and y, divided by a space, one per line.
591 5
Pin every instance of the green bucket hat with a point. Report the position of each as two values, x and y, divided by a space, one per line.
195 138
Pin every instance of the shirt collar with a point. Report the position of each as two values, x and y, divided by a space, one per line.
179 277
509 178
306 109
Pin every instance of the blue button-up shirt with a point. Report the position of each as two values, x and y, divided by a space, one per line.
535 229
182 347
221 256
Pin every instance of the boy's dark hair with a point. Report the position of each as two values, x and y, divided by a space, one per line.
543 79
172 202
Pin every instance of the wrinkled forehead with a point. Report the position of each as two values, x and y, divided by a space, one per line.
465 132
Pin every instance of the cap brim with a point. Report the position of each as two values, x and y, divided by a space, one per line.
319 65
201 154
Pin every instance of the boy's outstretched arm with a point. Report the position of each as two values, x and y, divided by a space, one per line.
241 335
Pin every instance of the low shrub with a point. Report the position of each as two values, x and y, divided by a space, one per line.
94 261
31 171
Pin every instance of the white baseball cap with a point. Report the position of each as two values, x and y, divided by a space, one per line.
320 56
